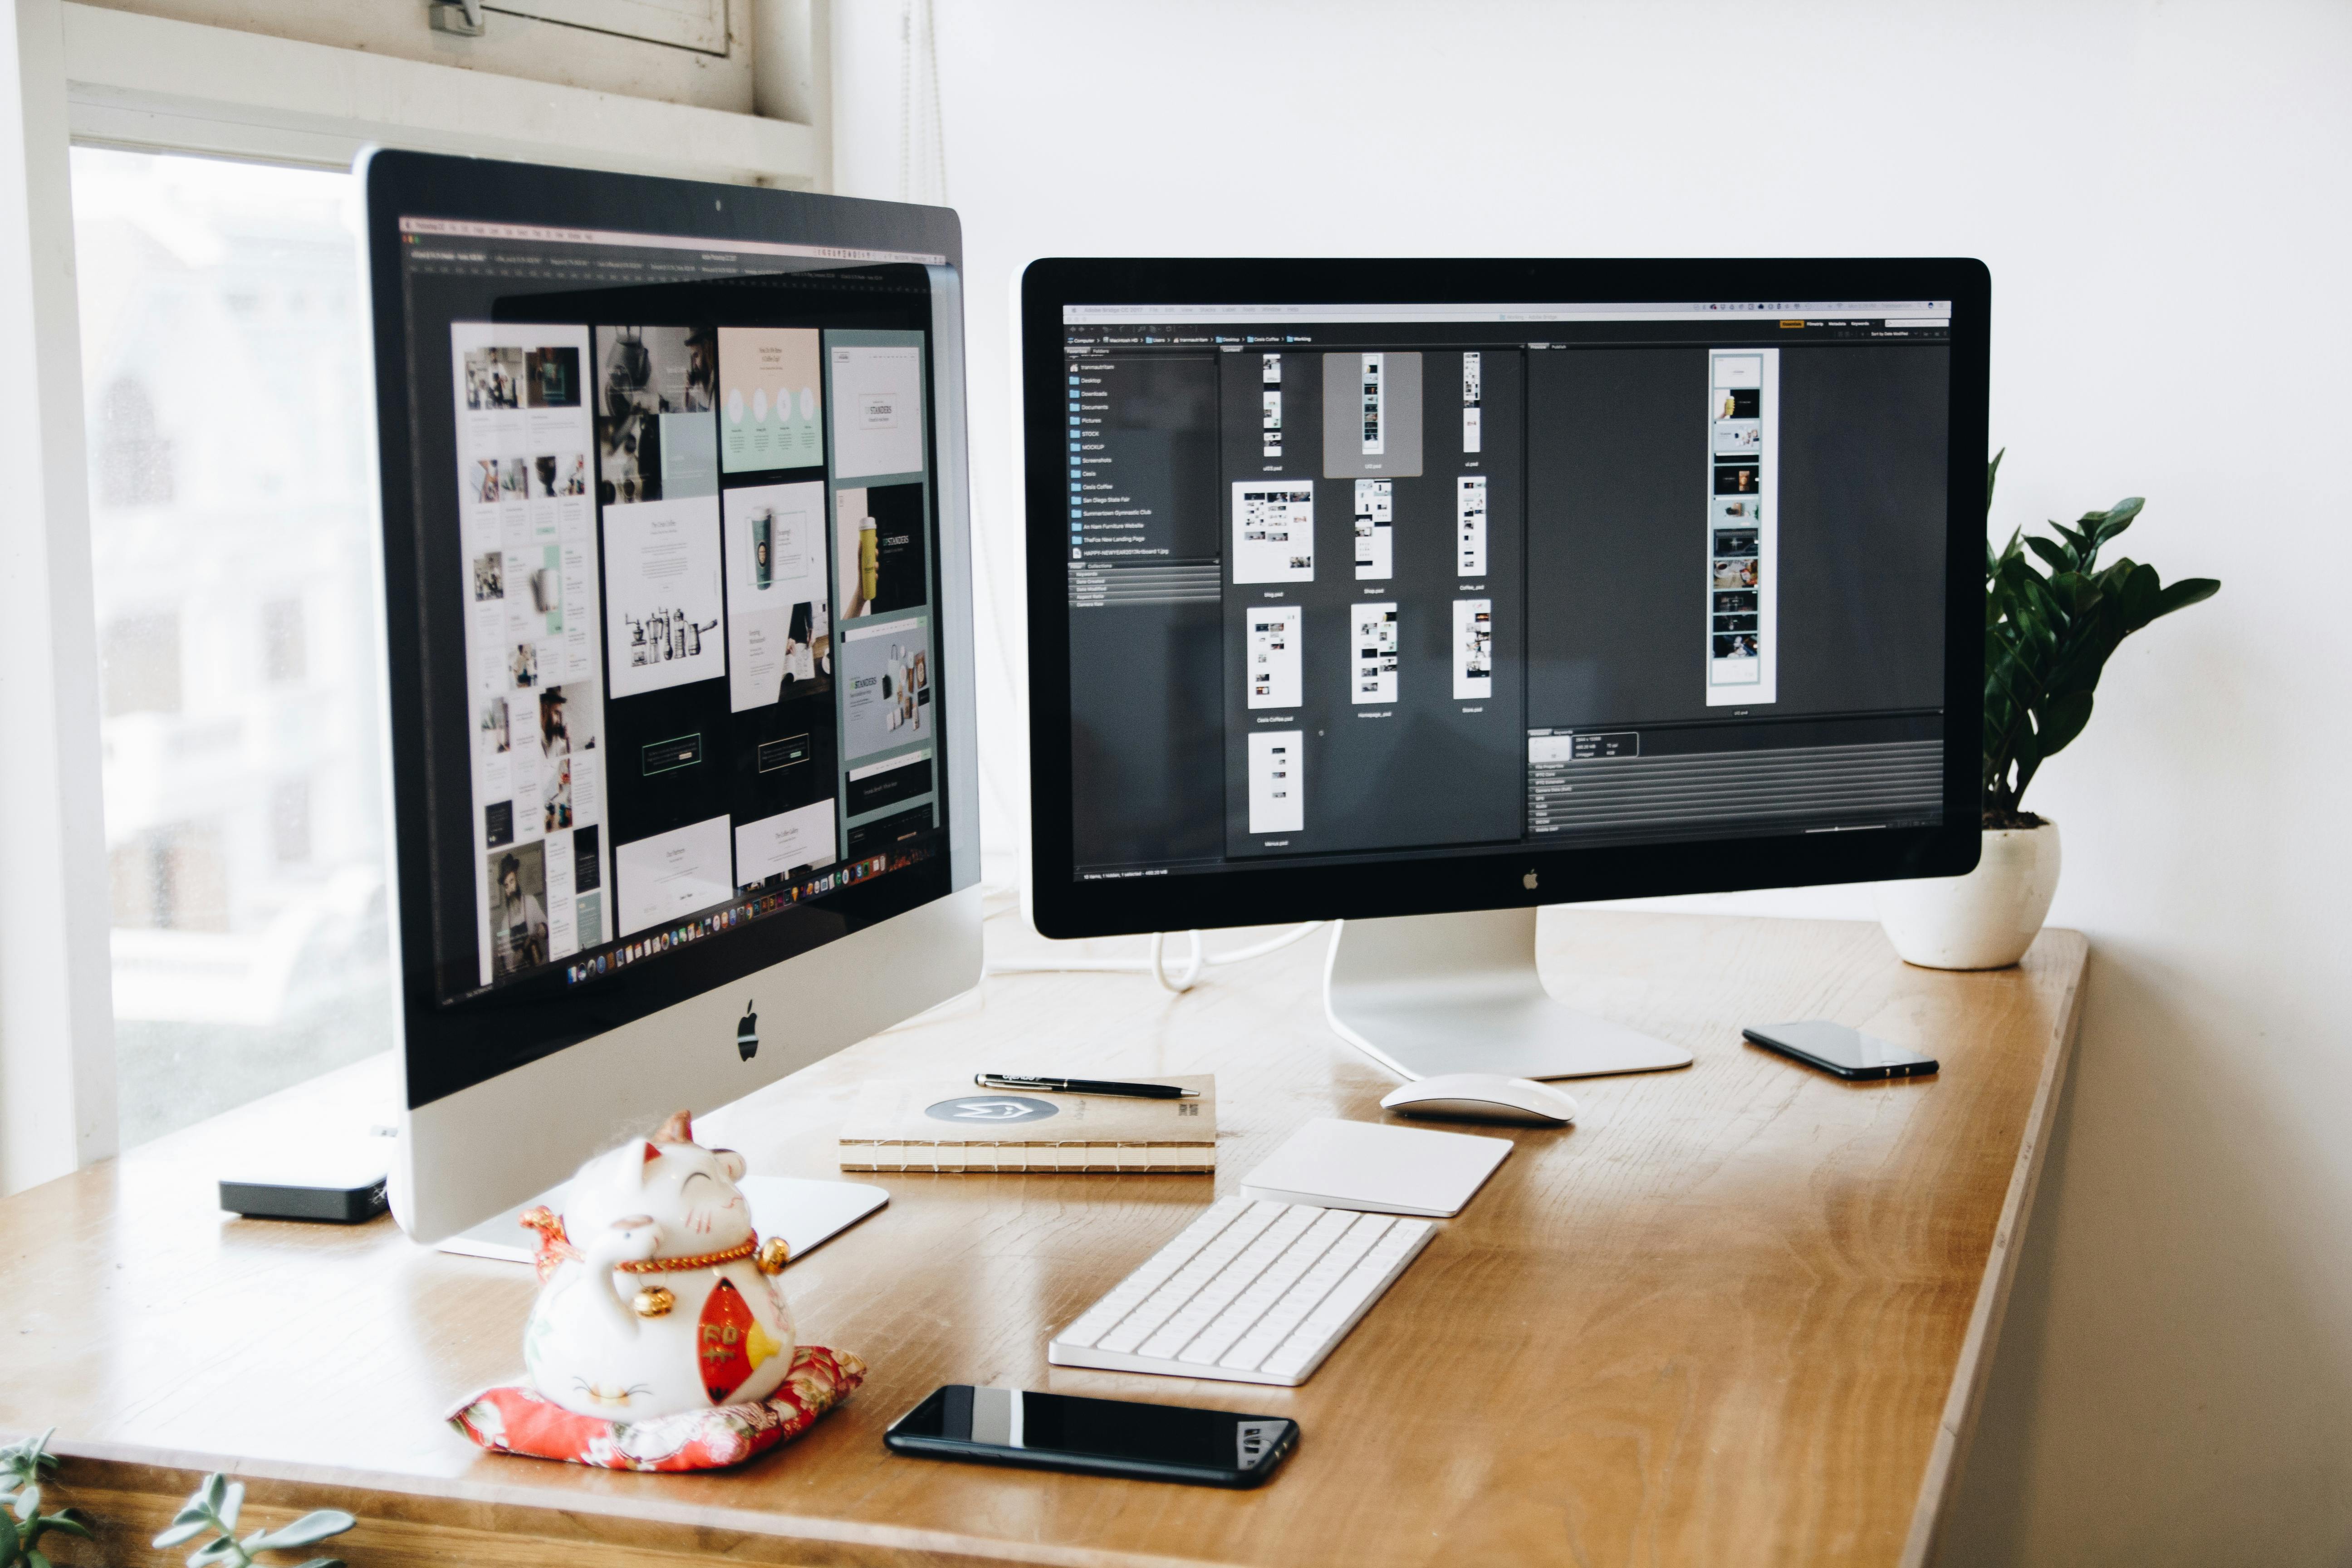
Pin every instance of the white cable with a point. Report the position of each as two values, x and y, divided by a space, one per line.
1159 962
1156 964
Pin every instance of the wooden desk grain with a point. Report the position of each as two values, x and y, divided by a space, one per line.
1737 1314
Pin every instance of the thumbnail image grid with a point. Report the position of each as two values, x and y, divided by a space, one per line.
1742 385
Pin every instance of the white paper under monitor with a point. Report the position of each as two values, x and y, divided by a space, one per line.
1380 1169
806 1214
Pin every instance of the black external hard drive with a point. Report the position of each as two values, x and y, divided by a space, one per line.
337 1183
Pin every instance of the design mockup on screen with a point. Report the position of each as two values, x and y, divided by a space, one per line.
1609 575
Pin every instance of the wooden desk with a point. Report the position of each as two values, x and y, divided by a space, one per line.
1737 1314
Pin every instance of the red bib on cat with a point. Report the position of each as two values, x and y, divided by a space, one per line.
732 1344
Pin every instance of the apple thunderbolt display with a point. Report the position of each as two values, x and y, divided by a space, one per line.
1417 594
677 600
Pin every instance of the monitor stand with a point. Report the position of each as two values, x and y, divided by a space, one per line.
1425 994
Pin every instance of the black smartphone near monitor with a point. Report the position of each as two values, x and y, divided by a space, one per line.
1096 1437
1835 1049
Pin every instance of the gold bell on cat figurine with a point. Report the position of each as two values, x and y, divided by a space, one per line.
654 1301
772 1255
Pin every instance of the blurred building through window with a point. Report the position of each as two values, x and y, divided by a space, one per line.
228 410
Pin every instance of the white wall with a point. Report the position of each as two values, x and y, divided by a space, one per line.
2160 191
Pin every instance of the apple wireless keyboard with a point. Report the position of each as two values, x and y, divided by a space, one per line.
1250 1293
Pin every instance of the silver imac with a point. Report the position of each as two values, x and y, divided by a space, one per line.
677 611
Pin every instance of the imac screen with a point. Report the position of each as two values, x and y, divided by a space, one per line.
676 580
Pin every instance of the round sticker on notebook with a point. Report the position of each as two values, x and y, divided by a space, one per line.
998 1110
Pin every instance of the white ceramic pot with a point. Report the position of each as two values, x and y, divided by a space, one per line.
1985 920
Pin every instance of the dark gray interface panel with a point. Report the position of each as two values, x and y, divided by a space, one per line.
1382 584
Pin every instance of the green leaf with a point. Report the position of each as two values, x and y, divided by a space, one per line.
234 1501
306 1531
35 1558
214 1488
27 1459
1992 472
72 1522
2061 720
183 1528
2060 559
2186 592
28 1503
2118 517
321 1562
225 1550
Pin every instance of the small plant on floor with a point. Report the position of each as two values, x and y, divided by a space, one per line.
210 1516
2048 635
22 1465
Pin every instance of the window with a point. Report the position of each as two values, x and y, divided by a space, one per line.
290 821
281 640
138 656
134 466
229 491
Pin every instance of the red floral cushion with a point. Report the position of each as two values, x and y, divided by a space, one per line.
512 1419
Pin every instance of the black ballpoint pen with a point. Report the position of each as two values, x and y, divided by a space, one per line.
1084 1086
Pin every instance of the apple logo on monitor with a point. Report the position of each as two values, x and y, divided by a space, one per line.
747 1033
1528 881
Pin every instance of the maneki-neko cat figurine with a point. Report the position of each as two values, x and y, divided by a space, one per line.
656 1295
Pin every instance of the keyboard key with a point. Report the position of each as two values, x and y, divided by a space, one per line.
1258 1292
1164 1303
1218 1293
1263 1290
1130 1292
1335 1312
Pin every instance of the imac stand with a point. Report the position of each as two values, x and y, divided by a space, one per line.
1424 995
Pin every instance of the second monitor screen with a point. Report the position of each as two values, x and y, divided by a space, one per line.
1374 588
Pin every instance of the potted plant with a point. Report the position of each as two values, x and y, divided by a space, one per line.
23 1466
209 1517
2048 637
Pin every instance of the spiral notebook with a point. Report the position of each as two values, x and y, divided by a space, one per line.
950 1127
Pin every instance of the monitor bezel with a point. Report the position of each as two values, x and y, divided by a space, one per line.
1518 876
448 1047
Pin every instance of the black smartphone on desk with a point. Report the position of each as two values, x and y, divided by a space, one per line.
1833 1047
1095 1436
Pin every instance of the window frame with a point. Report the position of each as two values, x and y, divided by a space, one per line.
129 81
89 74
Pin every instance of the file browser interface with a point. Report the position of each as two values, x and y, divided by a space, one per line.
1356 582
